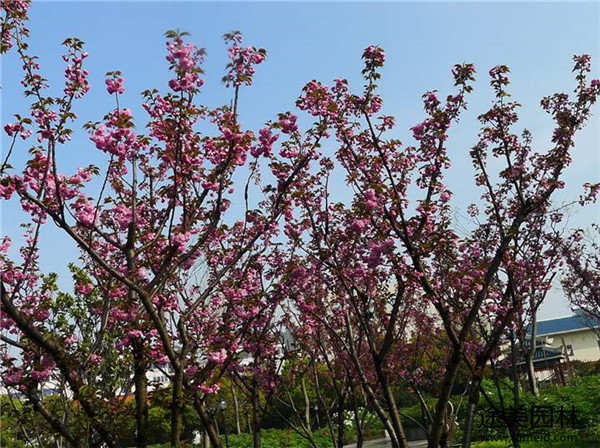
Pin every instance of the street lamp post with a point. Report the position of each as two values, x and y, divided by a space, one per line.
222 407
316 410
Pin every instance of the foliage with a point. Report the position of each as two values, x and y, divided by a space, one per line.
383 292
583 368
277 438
582 395
581 272
501 444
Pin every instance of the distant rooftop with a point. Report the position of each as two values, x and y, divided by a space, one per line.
563 324
546 357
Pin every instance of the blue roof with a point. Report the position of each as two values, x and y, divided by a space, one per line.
564 324
545 357
543 353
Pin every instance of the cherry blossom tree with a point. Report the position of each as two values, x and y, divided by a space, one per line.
511 317
385 258
319 364
541 249
156 241
581 273
176 277
370 292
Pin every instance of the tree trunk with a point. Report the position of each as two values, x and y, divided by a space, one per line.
514 436
141 395
473 400
59 426
360 440
255 415
236 407
306 403
208 424
392 408
513 429
360 435
531 380
326 408
372 399
439 417
340 420
370 393
444 439
514 371
529 354
177 408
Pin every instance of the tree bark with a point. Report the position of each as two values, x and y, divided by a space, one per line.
529 354
360 436
208 424
391 405
141 395
306 403
58 425
255 415
439 417
340 420
177 408
513 429
236 407
369 392
473 401
514 436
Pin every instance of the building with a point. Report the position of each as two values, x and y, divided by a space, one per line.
577 337
559 342
548 365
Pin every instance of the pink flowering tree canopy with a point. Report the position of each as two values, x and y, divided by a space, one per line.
203 244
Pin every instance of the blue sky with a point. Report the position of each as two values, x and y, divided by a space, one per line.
324 41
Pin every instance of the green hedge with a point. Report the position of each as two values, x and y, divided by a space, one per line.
278 438
583 394
581 444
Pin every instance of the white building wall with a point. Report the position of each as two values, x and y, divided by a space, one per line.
584 344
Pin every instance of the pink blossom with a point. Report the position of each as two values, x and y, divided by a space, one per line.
85 212
360 224
6 191
114 85
5 244
41 375
370 199
209 389
85 175
374 55
418 130
266 139
288 123
13 378
135 334
84 289
14 128
122 216
192 370
218 357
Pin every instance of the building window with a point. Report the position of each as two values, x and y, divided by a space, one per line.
570 350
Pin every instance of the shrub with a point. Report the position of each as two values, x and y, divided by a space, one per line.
278 438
